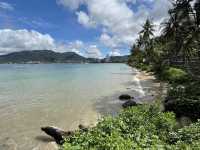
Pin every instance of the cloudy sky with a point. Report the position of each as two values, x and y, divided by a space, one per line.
93 28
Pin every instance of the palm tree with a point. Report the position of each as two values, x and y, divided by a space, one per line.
147 31
146 39
197 33
179 30
197 10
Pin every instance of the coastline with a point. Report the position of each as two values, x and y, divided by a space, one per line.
158 89
152 90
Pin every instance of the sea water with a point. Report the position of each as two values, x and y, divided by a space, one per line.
62 95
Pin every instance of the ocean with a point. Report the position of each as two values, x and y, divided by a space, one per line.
62 95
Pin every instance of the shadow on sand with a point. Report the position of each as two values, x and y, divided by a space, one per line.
44 139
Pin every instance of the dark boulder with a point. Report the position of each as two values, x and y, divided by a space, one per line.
57 134
125 97
184 107
83 128
129 103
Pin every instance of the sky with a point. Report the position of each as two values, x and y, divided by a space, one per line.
91 28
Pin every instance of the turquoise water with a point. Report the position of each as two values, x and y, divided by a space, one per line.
62 95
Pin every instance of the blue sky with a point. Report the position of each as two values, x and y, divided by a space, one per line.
92 28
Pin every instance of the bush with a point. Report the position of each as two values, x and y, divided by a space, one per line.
187 137
174 75
184 100
141 127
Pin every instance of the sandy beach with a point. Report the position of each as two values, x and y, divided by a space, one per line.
150 88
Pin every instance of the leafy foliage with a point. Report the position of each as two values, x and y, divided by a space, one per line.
177 46
141 127
184 99
179 41
175 75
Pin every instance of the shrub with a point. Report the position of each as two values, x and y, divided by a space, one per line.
184 100
174 75
141 127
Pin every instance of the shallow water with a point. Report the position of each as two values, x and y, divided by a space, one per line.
62 95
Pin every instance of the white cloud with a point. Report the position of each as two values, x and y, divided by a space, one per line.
16 40
116 17
93 52
19 40
107 40
6 6
84 19
115 52
75 46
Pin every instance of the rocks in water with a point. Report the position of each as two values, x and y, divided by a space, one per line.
129 103
56 133
59 134
83 128
125 97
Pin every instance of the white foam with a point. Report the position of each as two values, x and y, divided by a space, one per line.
138 87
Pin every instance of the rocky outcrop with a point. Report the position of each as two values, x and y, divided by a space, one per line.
125 97
129 103
83 128
56 133
59 134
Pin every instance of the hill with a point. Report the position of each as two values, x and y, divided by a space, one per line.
48 56
42 56
116 59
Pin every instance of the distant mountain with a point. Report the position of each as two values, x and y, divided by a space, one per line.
42 56
116 59
48 56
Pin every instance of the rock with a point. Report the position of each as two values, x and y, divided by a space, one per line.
83 128
183 107
125 97
129 103
57 134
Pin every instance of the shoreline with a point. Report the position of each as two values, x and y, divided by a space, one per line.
159 88
153 90
141 86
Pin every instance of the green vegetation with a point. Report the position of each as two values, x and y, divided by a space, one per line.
141 127
174 56
174 75
184 99
178 44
